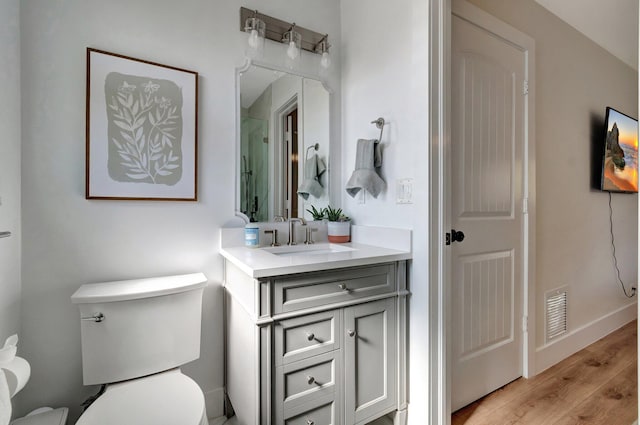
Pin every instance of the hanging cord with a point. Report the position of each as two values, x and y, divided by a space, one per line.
615 260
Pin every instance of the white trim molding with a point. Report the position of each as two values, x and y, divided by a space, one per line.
579 338
439 212
214 402
439 375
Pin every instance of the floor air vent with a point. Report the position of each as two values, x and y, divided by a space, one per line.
556 313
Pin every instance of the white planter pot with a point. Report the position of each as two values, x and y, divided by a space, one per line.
339 231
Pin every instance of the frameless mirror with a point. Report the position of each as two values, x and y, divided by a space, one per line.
283 143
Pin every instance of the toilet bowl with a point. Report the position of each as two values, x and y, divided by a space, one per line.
165 398
135 335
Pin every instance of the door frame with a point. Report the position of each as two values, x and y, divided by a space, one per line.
278 202
440 12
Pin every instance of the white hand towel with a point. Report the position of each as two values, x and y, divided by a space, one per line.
368 158
5 400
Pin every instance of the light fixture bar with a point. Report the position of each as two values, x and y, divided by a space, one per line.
276 28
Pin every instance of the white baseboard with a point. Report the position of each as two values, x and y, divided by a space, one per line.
577 339
214 402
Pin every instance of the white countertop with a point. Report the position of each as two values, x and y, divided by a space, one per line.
259 262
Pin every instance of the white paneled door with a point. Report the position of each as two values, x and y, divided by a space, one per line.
488 125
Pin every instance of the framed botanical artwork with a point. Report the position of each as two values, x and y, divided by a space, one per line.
142 129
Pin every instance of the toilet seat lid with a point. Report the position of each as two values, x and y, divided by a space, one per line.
167 398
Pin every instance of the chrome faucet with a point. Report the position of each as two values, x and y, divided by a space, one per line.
292 238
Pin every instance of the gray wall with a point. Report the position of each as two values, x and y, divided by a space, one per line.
575 80
68 240
10 168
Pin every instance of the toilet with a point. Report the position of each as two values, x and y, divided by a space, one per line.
135 336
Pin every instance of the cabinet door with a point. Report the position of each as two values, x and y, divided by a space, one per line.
370 360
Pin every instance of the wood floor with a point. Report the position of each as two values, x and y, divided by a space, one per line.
597 385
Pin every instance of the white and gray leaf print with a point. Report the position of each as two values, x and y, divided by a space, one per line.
144 118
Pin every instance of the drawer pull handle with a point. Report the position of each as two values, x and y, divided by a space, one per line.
310 336
310 380
310 422
351 332
343 286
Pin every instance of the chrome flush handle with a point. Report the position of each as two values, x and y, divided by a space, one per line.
98 317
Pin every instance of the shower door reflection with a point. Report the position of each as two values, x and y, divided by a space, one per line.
254 171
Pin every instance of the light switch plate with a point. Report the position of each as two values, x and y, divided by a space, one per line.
404 191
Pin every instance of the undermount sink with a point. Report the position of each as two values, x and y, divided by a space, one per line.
311 249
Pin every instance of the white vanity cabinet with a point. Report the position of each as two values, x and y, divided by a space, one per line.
317 348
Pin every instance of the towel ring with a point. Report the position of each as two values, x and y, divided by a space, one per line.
380 124
314 147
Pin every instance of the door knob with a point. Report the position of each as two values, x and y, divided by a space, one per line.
457 235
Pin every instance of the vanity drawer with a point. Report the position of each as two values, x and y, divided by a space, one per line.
300 385
306 336
324 288
325 413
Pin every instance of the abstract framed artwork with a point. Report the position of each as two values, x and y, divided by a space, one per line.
142 129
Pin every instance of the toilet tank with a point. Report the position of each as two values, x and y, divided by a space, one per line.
134 328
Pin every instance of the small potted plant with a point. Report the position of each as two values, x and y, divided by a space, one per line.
339 225
317 215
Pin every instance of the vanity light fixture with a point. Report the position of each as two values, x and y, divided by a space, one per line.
294 37
292 40
255 28
323 49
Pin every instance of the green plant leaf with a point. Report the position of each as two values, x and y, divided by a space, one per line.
317 214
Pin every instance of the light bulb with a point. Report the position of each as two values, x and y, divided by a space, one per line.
254 39
292 50
325 61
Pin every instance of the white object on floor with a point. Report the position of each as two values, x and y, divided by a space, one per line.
14 374
7 358
44 416
5 400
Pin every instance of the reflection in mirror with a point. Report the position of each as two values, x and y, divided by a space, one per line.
283 118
